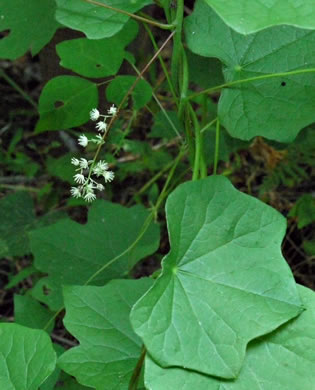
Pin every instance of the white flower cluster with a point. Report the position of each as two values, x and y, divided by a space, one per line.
86 169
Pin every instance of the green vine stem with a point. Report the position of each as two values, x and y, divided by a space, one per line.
178 46
133 16
217 144
198 146
137 371
248 80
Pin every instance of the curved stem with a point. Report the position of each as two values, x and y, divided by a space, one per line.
136 17
217 144
178 46
137 371
197 144
248 80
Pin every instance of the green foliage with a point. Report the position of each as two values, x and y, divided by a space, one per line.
17 17
109 349
118 88
96 22
277 107
219 243
62 96
247 16
27 357
304 210
97 250
96 58
281 360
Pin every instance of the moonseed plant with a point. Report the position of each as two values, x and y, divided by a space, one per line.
89 171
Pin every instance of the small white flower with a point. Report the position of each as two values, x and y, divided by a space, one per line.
94 114
84 163
79 178
75 161
100 187
90 196
89 187
108 176
101 126
112 110
100 168
75 192
83 140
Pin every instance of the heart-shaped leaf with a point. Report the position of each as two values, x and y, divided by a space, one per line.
77 252
282 360
274 107
223 283
99 318
97 58
96 22
27 357
66 102
18 16
248 16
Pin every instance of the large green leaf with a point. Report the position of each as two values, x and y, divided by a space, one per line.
27 357
248 16
96 58
283 360
277 107
18 17
118 88
223 283
71 253
66 102
96 22
17 218
99 318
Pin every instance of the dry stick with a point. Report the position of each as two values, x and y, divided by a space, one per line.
141 19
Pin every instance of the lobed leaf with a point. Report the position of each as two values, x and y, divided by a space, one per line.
27 357
282 360
97 58
223 283
96 22
276 108
76 252
17 16
99 318
66 102
248 16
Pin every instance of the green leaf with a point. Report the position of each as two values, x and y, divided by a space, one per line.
223 283
99 318
162 127
20 276
282 360
27 357
304 210
96 22
31 313
17 218
76 252
248 16
65 102
277 107
61 167
205 72
117 89
91 58
18 17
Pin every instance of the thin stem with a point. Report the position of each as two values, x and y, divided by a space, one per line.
197 144
113 118
136 17
163 66
178 46
244 81
217 144
208 125
17 88
184 85
160 106
137 371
